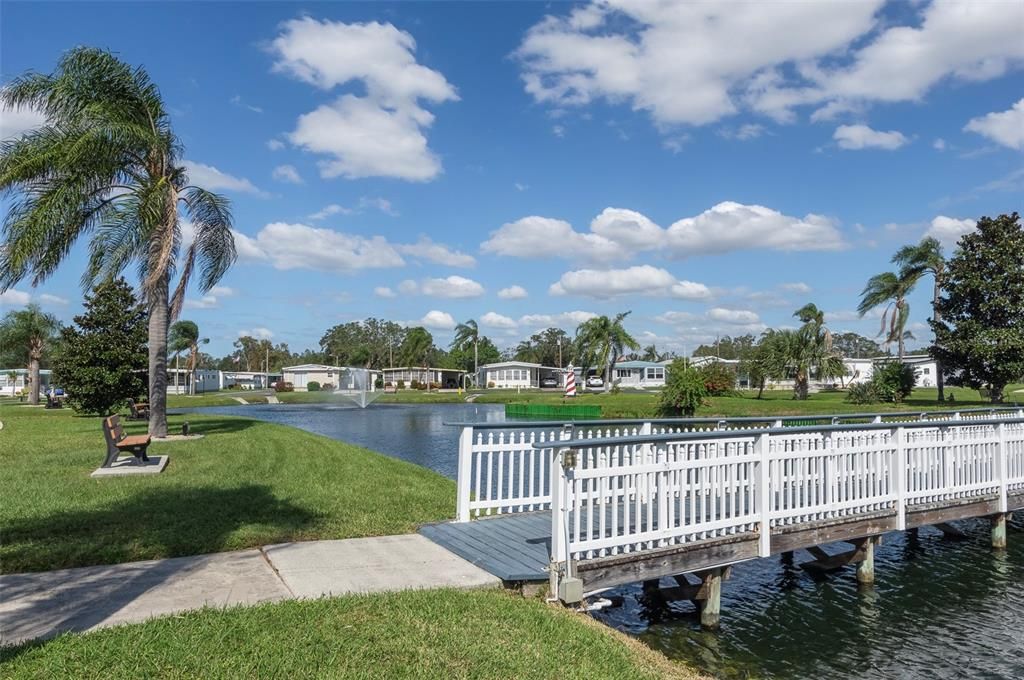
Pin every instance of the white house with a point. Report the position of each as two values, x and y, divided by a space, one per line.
179 380
858 370
300 376
519 374
924 366
447 378
639 374
14 380
247 380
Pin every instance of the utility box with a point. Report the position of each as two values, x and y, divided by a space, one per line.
570 590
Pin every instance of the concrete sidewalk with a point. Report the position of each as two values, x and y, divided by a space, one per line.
48 603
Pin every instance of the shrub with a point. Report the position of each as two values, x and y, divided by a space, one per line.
893 381
421 385
862 393
312 386
283 386
490 384
401 384
684 390
718 379
414 384
435 386
379 383
327 387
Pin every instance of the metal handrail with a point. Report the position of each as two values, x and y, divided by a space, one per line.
733 434
923 415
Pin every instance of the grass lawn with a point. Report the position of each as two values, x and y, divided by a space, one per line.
424 634
245 484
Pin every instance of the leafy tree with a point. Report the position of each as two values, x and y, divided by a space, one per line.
718 378
684 390
26 334
369 343
979 333
893 381
417 347
108 164
728 348
603 340
184 337
101 354
855 345
549 347
890 290
916 261
468 335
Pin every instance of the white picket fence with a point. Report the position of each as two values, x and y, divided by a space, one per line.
508 467
651 492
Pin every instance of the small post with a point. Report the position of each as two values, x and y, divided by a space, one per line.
711 607
899 474
999 531
465 472
866 568
763 496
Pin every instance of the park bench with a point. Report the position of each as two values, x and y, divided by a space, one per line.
138 411
117 442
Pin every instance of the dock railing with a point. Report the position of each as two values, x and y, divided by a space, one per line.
507 467
658 491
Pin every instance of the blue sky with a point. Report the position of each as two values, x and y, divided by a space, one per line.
529 164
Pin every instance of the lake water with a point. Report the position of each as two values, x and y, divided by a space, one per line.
940 608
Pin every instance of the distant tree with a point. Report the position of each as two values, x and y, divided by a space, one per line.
767 361
102 356
417 347
550 347
890 290
926 257
979 333
684 390
184 337
467 335
26 334
604 340
727 347
854 345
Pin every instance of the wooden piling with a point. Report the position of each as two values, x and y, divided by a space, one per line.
866 567
711 606
999 531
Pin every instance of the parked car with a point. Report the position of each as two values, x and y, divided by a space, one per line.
549 382
595 381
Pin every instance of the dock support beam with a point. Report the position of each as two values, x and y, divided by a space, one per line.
999 531
711 606
866 567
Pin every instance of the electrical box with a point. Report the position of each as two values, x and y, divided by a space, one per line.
570 590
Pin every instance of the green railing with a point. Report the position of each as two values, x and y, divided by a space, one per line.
556 411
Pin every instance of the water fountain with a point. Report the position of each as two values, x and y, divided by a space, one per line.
357 385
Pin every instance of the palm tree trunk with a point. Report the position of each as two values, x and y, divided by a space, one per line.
158 319
33 376
940 380
476 358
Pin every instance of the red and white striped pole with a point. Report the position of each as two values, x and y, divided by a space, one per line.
570 382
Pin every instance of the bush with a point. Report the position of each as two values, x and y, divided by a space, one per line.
421 385
684 390
327 387
282 386
490 384
414 384
893 381
862 393
379 383
435 386
718 379
312 386
401 384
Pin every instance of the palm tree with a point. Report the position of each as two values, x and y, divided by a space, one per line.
916 261
184 337
416 348
603 341
466 333
28 333
890 290
108 165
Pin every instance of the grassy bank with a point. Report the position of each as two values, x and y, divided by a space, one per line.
425 634
245 484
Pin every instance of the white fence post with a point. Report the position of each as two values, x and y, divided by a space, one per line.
559 510
1002 453
900 478
761 449
465 489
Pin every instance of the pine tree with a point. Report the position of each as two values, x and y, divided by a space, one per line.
102 358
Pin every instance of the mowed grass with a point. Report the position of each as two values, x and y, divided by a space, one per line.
245 484
421 634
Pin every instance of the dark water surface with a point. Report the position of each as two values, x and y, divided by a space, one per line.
940 608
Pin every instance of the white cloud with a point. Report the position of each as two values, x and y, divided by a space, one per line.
260 333
209 177
695 63
543 237
739 317
512 293
384 292
287 173
381 204
16 122
15 298
856 137
438 320
1003 127
628 228
520 186
948 230
299 246
558 130
563 320
408 287
744 132
275 144
205 302
56 300
438 253
222 291
639 280
939 144
733 226
451 287
796 287
495 320
332 209
378 134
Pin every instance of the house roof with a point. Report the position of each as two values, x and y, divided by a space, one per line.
422 368
639 364
526 364
313 367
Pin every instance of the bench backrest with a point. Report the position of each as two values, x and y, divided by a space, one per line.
112 429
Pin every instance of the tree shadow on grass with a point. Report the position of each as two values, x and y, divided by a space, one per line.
156 523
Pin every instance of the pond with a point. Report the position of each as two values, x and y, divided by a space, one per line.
941 608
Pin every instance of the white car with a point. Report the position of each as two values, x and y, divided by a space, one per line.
595 381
